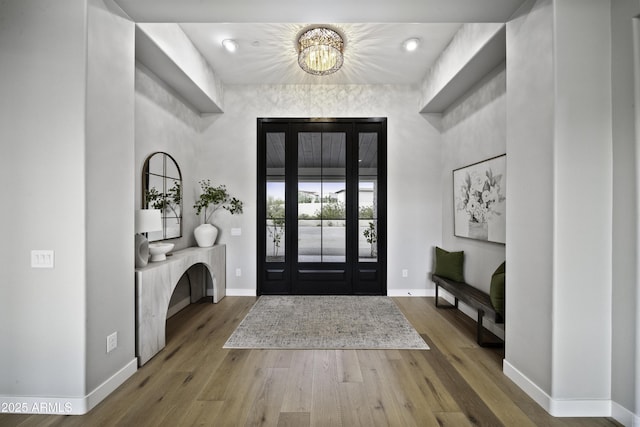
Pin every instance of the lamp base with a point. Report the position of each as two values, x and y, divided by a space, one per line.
141 251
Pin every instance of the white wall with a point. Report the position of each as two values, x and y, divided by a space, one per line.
474 129
69 145
192 76
529 252
470 39
42 123
109 157
583 155
52 321
164 123
228 156
625 206
558 243
636 86
223 148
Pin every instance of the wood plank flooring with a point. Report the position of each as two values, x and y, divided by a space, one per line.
194 381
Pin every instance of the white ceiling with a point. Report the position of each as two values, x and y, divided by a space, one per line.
266 32
373 53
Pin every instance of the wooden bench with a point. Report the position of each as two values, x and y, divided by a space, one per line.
474 298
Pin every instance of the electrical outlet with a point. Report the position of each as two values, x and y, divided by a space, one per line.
405 273
112 342
238 272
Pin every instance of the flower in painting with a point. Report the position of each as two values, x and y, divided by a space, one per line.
478 195
477 182
472 205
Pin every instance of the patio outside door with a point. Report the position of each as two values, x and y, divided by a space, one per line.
321 197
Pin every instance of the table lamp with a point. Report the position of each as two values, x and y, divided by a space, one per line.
146 220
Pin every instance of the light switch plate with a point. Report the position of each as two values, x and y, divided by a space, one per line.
236 231
42 259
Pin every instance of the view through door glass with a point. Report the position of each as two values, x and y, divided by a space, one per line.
321 204
368 196
275 197
322 197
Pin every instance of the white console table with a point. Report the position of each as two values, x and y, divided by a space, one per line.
155 284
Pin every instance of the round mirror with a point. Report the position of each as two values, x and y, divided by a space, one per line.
162 189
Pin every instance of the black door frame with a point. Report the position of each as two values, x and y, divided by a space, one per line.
356 278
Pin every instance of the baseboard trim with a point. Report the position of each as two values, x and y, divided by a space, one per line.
580 408
528 386
557 407
111 384
411 292
624 416
241 292
68 405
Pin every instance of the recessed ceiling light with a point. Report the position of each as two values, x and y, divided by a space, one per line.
230 44
411 44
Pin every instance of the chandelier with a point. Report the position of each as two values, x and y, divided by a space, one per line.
320 51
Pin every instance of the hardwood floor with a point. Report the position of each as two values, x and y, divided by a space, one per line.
194 381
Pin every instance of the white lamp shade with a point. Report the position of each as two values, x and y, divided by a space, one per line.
148 220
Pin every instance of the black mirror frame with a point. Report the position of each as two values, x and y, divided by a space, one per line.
166 195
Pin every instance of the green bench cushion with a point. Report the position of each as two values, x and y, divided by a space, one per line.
449 264
496 292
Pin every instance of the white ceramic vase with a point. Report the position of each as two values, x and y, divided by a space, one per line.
205 235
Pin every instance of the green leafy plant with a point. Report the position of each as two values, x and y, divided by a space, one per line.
365 212
213 198
305 197
275 227
332 210
170 200
372 237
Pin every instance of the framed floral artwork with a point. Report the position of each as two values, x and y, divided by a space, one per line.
479 195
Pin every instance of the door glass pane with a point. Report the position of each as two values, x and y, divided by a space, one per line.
275 220
367 197
321 197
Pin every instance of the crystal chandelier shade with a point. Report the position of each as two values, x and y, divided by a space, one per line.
320 51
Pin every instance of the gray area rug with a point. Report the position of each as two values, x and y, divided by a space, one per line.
325 322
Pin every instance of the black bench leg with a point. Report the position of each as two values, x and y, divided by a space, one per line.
479 333
445 306
479 324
